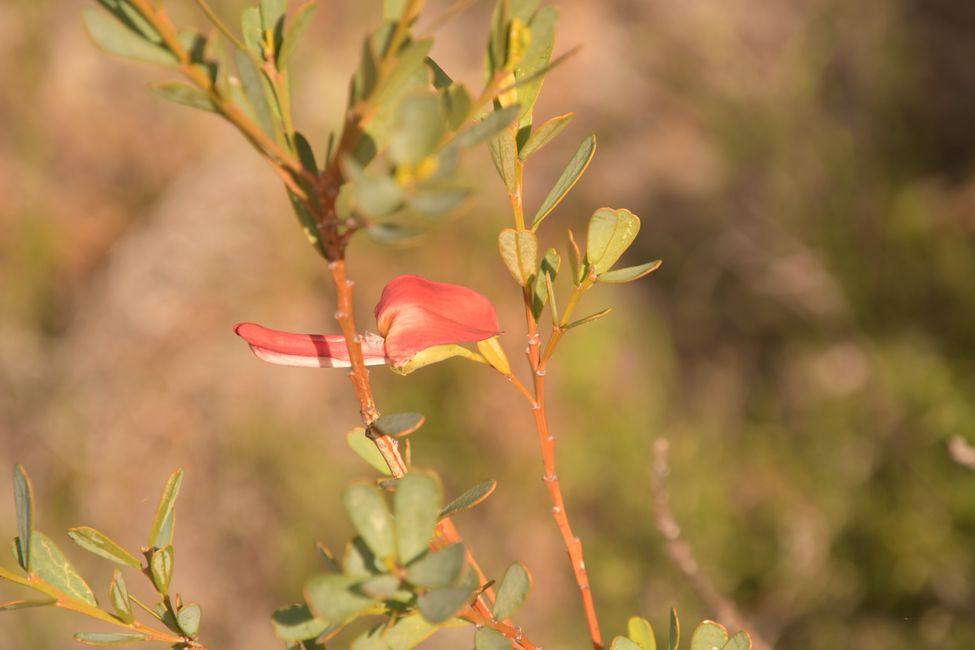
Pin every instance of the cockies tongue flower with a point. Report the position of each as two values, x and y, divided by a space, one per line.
420 322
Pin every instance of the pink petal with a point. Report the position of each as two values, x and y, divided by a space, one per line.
307 350
415 314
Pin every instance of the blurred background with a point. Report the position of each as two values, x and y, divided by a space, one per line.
805 171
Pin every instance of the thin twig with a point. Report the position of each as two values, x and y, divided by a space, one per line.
683 557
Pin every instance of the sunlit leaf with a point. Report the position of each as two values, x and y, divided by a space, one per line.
740 641
469 499
536 58
163 525
709 636
366 450
674 637
419 125
590 318
549 268
622 643
543 134
188 619
24 503
393 234
49 564
640 631
185 94
436 202
250 80
118 594
486 128
296 28
611 232
98 543
161 567
629 274
504 155
26 604
519 250
570 176
109 638
408 632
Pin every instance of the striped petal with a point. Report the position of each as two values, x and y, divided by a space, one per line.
414 314
307 350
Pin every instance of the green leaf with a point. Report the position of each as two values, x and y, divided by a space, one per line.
457 105
544 134
109 638
381 587
118 594
417 506
366 450
674 639
26 604
709 636
95 542
570 176
513 591
622 643
590 318
408 632
406 72
49 564
393 9
188 619
519 250
185 94
367 509
611 232
549 268
163 526
437 202
418 127
115 38
359 560
399 425
271 12
305 153
335 598
470 498
440 568
307 221
250 79
376 196
530 69
504 155
393 234
639 630
297 623
740 641
575 258
440 605
486 128
131 18
629 274
24 503
161 567
252 29
296 28
487 639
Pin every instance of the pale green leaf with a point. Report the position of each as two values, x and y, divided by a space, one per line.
296 28
399 425
161 567
335 598
439 605
297 623
109 638
622 643
486 128
487 639
439 569
570 176
611 232
367 509
185 94
629 274
98 543
740 641
513 591
417 503
163 525
640 631
24 503
709 636
188 619
417 130
543 134
519 250
406 633
118 594
49 564
115 38
504 155
366 450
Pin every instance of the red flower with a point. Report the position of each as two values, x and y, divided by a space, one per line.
414 315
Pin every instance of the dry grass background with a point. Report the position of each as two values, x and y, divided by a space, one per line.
805 171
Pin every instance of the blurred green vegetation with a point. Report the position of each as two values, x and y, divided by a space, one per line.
805 171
